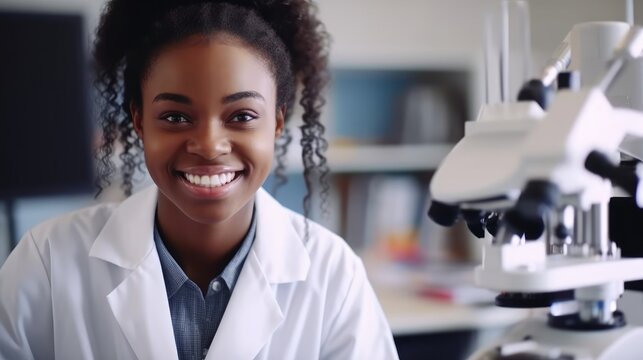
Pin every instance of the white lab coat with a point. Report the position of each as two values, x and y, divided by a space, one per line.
89 285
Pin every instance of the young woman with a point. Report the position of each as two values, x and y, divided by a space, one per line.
205 264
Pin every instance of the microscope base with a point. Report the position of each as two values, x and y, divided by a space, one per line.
534 339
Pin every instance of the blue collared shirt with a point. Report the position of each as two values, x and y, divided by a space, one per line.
195 318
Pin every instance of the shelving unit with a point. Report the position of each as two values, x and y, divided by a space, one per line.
344 159
388 129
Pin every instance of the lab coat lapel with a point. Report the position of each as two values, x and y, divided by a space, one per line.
251 317
139 302
141 309
278 255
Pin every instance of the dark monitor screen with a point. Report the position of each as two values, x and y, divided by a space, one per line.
45 127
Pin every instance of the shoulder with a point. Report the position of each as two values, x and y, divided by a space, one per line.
353 325
322 244
79 227
333 265
56 241
291 233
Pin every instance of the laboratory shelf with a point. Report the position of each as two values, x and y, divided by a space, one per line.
378 158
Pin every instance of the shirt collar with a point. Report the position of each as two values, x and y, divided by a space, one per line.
175 277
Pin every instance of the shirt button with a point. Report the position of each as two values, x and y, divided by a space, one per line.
216 285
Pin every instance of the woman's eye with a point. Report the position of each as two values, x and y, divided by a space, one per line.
175 118
243 117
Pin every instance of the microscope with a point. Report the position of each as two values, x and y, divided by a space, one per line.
540 202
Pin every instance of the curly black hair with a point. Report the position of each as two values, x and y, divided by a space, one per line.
286 32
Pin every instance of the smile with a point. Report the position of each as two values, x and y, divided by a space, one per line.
210 181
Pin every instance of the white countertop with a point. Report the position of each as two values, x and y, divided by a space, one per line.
400 290
408 313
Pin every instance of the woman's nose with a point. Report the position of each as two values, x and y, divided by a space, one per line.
209 141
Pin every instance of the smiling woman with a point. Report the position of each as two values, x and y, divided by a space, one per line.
204 264
210 113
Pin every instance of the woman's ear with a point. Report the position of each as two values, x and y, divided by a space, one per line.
137 119
279 124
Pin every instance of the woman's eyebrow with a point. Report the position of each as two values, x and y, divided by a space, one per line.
173 97
242 95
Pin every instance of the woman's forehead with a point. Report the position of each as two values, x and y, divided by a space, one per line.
214 65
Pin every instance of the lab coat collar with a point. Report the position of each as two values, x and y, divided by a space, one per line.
279 247
128 234
278 255
127 237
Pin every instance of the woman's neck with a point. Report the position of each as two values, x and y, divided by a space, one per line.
202 250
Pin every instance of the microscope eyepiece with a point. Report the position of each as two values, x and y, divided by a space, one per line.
476 221
536 90
443 214
623 177
527 216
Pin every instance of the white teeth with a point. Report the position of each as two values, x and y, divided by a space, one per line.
211 180
215 180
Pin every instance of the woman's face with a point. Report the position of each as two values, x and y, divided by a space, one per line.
208 122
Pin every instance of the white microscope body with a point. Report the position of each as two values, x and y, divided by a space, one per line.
538 164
